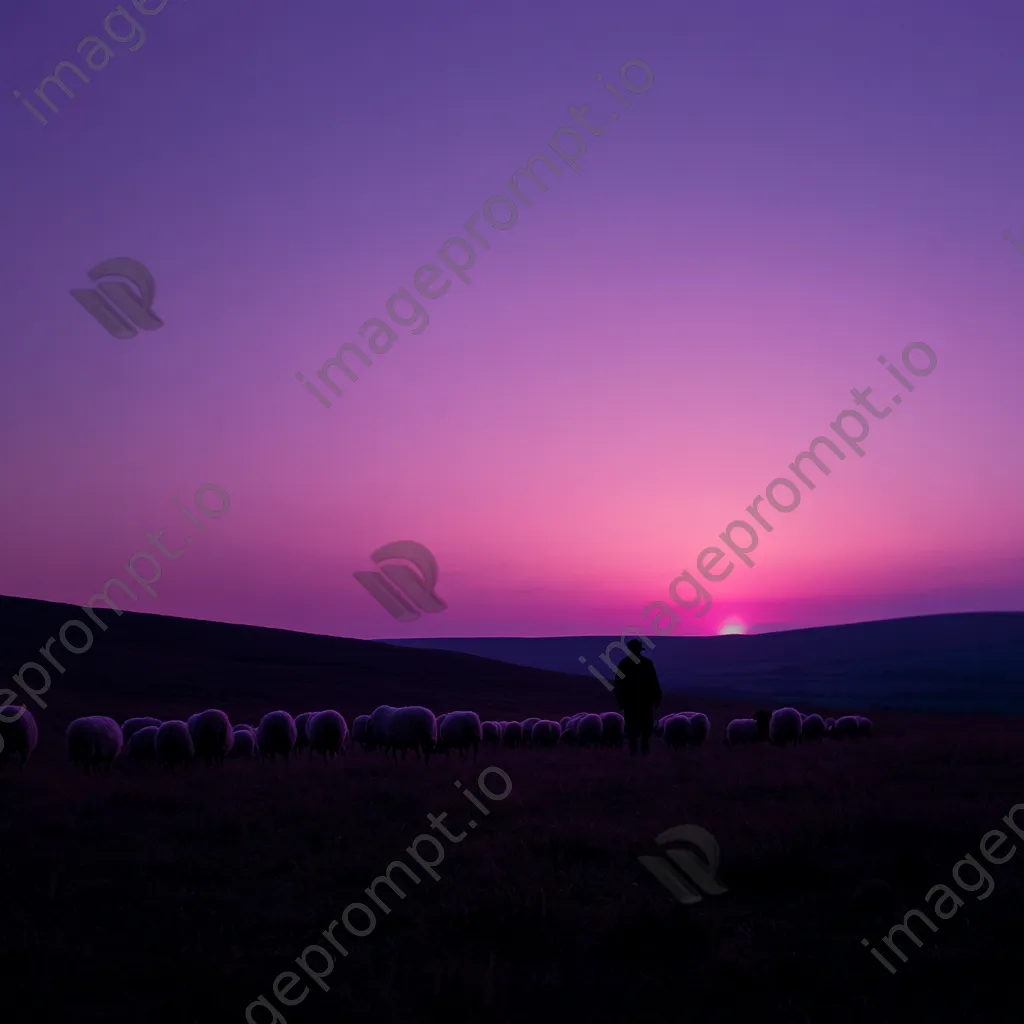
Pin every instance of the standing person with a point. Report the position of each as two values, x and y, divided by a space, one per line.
638 693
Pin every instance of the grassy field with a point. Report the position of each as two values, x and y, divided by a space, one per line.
146 896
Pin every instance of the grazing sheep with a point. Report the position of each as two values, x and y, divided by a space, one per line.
564 722
133 725
460 731
546 733
376 728
141 747
742 730
659 726
784 727
676 732
528 724
20 736
864 726
212 735
846 728
251 728
440 747
174 744
244 747
276 734
360 731
328 734
700 728
588 730
301 730
813 728
490 734
511 734
574 722
94 741
411 728
830 724
613 729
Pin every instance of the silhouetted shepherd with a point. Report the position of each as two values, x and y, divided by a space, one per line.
638 693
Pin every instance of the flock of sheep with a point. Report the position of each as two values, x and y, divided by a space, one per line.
97 741
787 726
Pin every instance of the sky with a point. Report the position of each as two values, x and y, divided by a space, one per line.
794 190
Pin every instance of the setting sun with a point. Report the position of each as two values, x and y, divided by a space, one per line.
732 627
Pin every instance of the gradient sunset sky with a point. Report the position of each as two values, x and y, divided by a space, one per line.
806 186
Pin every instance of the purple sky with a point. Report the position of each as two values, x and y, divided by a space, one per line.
806 186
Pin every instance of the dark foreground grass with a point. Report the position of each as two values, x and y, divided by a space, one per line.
148 897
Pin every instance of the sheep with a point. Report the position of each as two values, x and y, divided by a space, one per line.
440 747
141 745
812 728
784 727
528 724
360 731
700 728
613 729
659 726
588 730
490 734
328 734
301 727
864 726
411 728
251 728
511 735
846 727
564 722
676 732
741 731
244 747
830 724
212 735
20 736
276 734
546 733
375 728
94 741
460 731
174 744
132 725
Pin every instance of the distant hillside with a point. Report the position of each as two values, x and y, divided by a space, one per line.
964 662
958 663
159 665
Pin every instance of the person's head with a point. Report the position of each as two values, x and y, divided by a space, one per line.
635 645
